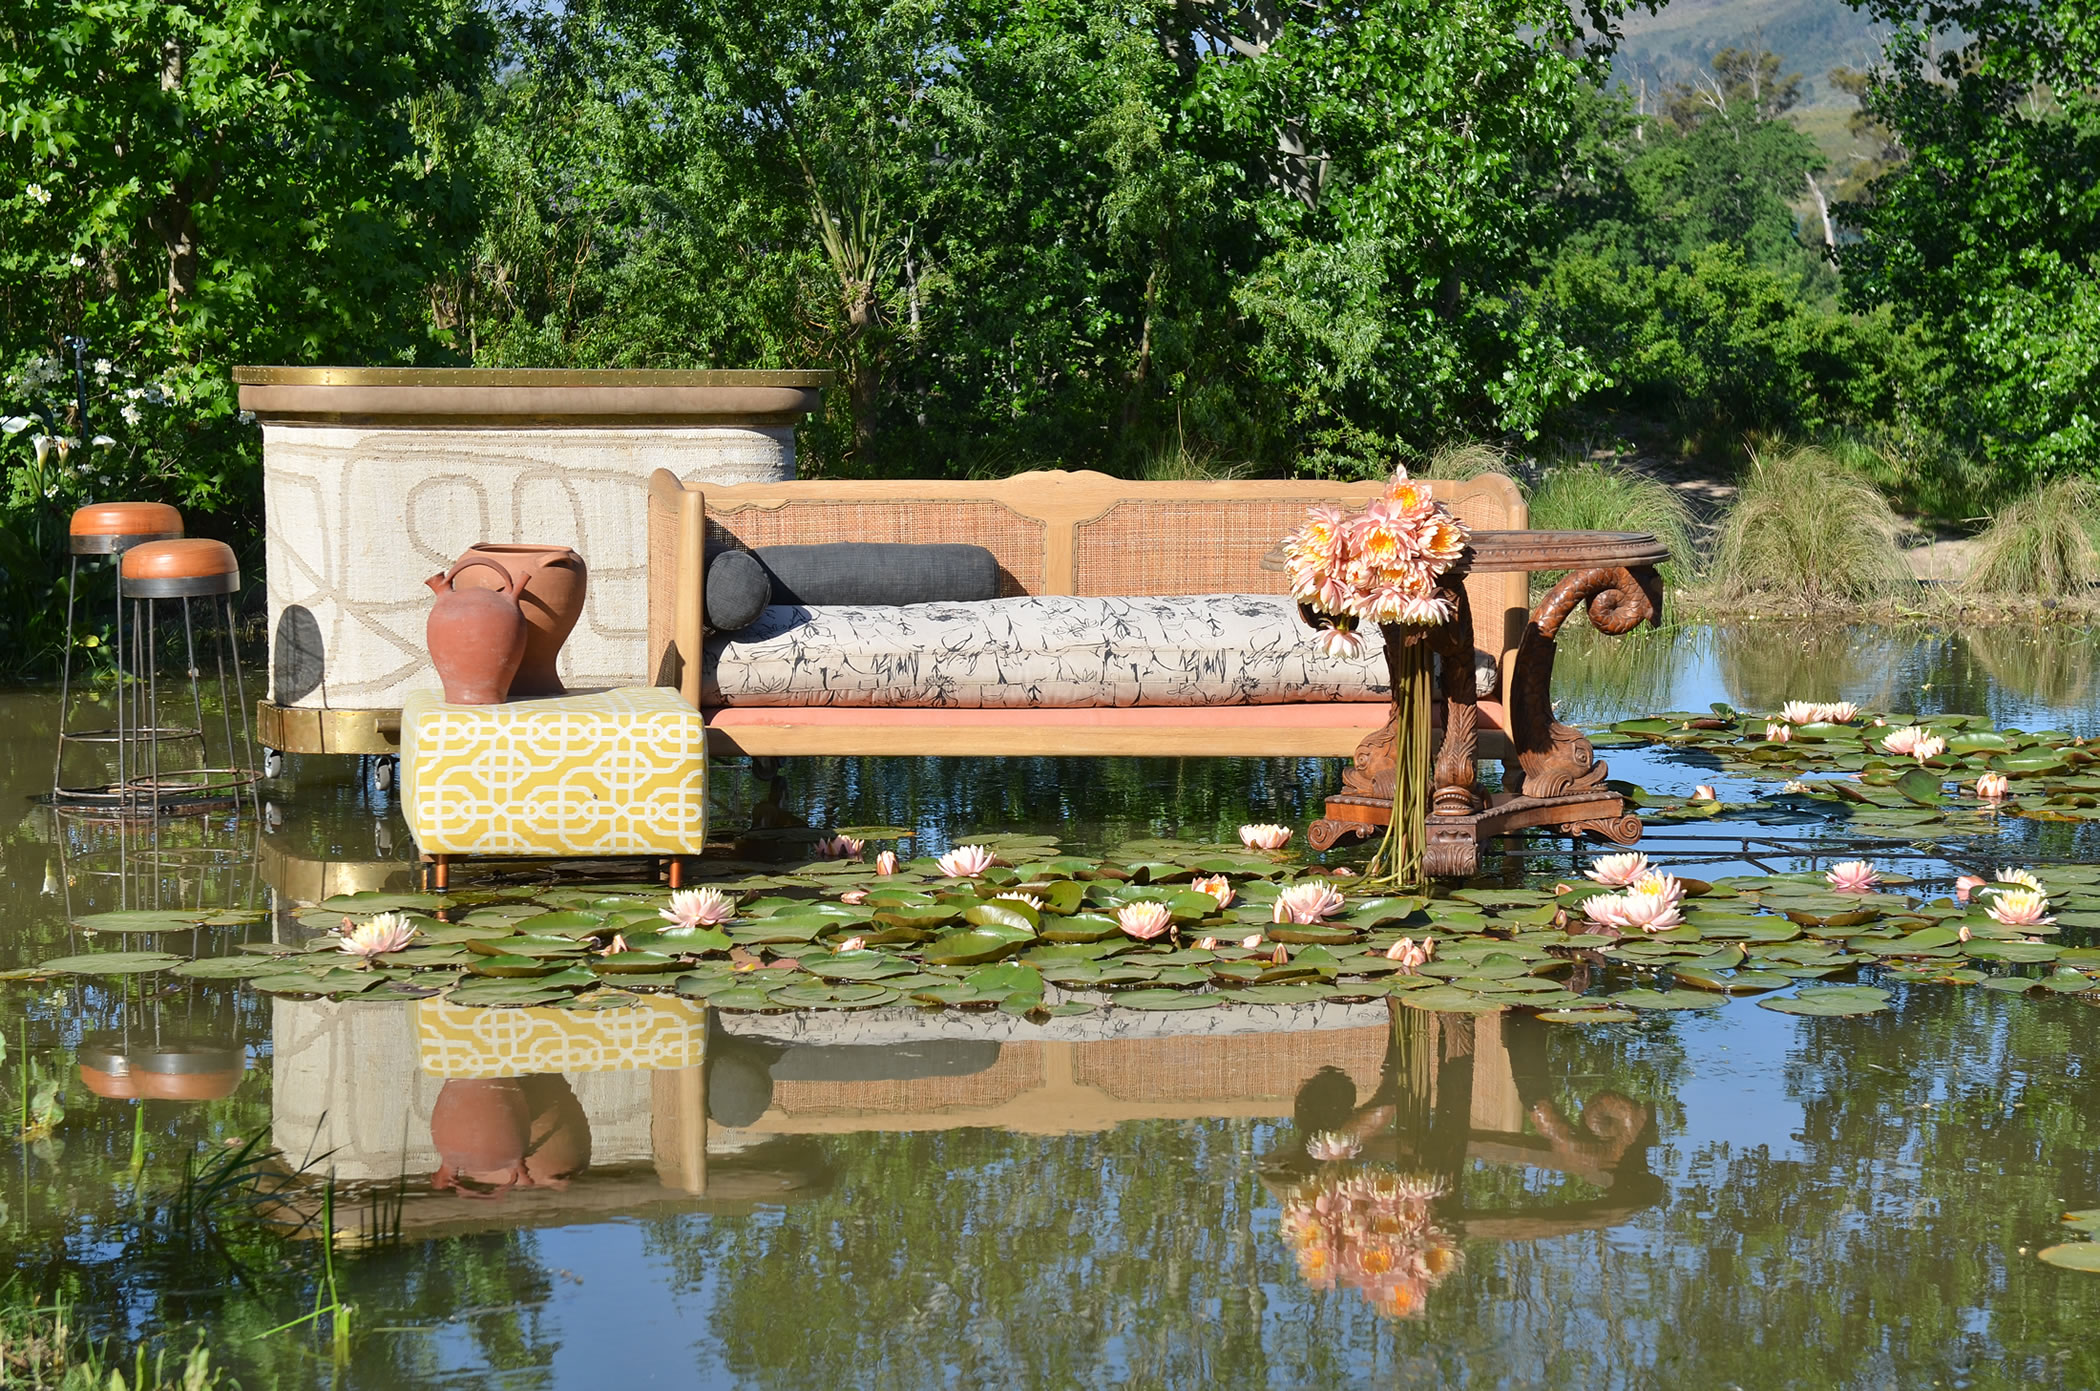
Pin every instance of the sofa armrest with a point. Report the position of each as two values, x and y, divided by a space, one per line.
677 570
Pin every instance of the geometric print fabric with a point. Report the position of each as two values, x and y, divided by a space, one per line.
659 1032
619 772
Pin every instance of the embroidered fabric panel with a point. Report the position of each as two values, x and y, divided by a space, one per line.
1038 652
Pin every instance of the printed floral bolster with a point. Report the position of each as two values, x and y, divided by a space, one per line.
1040 652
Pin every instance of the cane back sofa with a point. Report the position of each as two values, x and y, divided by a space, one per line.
1053 533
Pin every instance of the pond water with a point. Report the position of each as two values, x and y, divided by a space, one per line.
1330 1194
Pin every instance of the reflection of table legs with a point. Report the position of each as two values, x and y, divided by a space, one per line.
1553 777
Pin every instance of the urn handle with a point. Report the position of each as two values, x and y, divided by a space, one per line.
442 581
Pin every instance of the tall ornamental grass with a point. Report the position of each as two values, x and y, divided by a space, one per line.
2040 545
1600 495
1809 530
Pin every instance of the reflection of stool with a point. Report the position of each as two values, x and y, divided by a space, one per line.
620 772
103 528
185 570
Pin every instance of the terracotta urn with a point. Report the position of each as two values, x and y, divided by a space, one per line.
560 1144
476 632
480 1128
552 584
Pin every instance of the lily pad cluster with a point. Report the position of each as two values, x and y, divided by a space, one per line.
2050 775
1040 932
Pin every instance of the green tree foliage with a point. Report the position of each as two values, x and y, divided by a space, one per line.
185 187
1053 230
1987 236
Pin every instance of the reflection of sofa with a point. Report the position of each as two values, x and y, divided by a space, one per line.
1151 570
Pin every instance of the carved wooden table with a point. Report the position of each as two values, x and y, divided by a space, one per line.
1552 776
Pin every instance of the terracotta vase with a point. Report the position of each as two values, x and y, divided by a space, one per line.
476 634
552 584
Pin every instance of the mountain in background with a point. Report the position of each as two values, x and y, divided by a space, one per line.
1810 36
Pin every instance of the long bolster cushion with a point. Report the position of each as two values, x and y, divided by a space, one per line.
1036 652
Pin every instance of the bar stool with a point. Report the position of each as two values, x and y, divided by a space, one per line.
103 528
184 570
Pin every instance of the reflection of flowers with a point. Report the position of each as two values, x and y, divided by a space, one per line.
1369 1230
1332 1146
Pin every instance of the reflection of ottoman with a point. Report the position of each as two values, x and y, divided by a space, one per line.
620 772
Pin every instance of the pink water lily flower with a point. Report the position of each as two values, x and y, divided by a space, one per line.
1904 740
1015 896
1342 644
1966 885
2023 877
886 862
376 936
1704 793
1207 944
1310 901
1144 921
1800 712
1993 787
617 945
1778 734
840 848
1853 877
855 897
1617 871
2019 908
1931 746
1332 1147
1217 886
1650 905
965 861
698 908
1265 836
1837 712
852 944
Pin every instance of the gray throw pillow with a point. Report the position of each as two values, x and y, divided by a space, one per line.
879 573
737 591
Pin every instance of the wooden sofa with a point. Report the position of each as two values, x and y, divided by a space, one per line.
1053 532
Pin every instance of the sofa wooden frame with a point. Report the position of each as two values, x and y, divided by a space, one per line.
1054 532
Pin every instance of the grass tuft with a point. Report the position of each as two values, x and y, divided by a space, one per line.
1810 530
1458 462
2040 546
1601 495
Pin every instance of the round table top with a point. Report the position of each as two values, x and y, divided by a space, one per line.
1491 552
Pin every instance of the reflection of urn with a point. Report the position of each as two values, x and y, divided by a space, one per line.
476 634
480 1126
174 1069
497 1133
552 582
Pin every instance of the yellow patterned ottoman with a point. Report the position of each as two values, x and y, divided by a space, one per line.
621 772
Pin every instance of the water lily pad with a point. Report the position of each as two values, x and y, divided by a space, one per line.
842 996
1587 1016
1166 999
2073 1255
627 963
1665 999
1831 1001
139 921
229 968
514 966
524 945
113 963
1448 999
974 946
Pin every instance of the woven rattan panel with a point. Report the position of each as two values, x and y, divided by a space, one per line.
1018 1070
663 560
1016 540
1242 1067
1183 547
